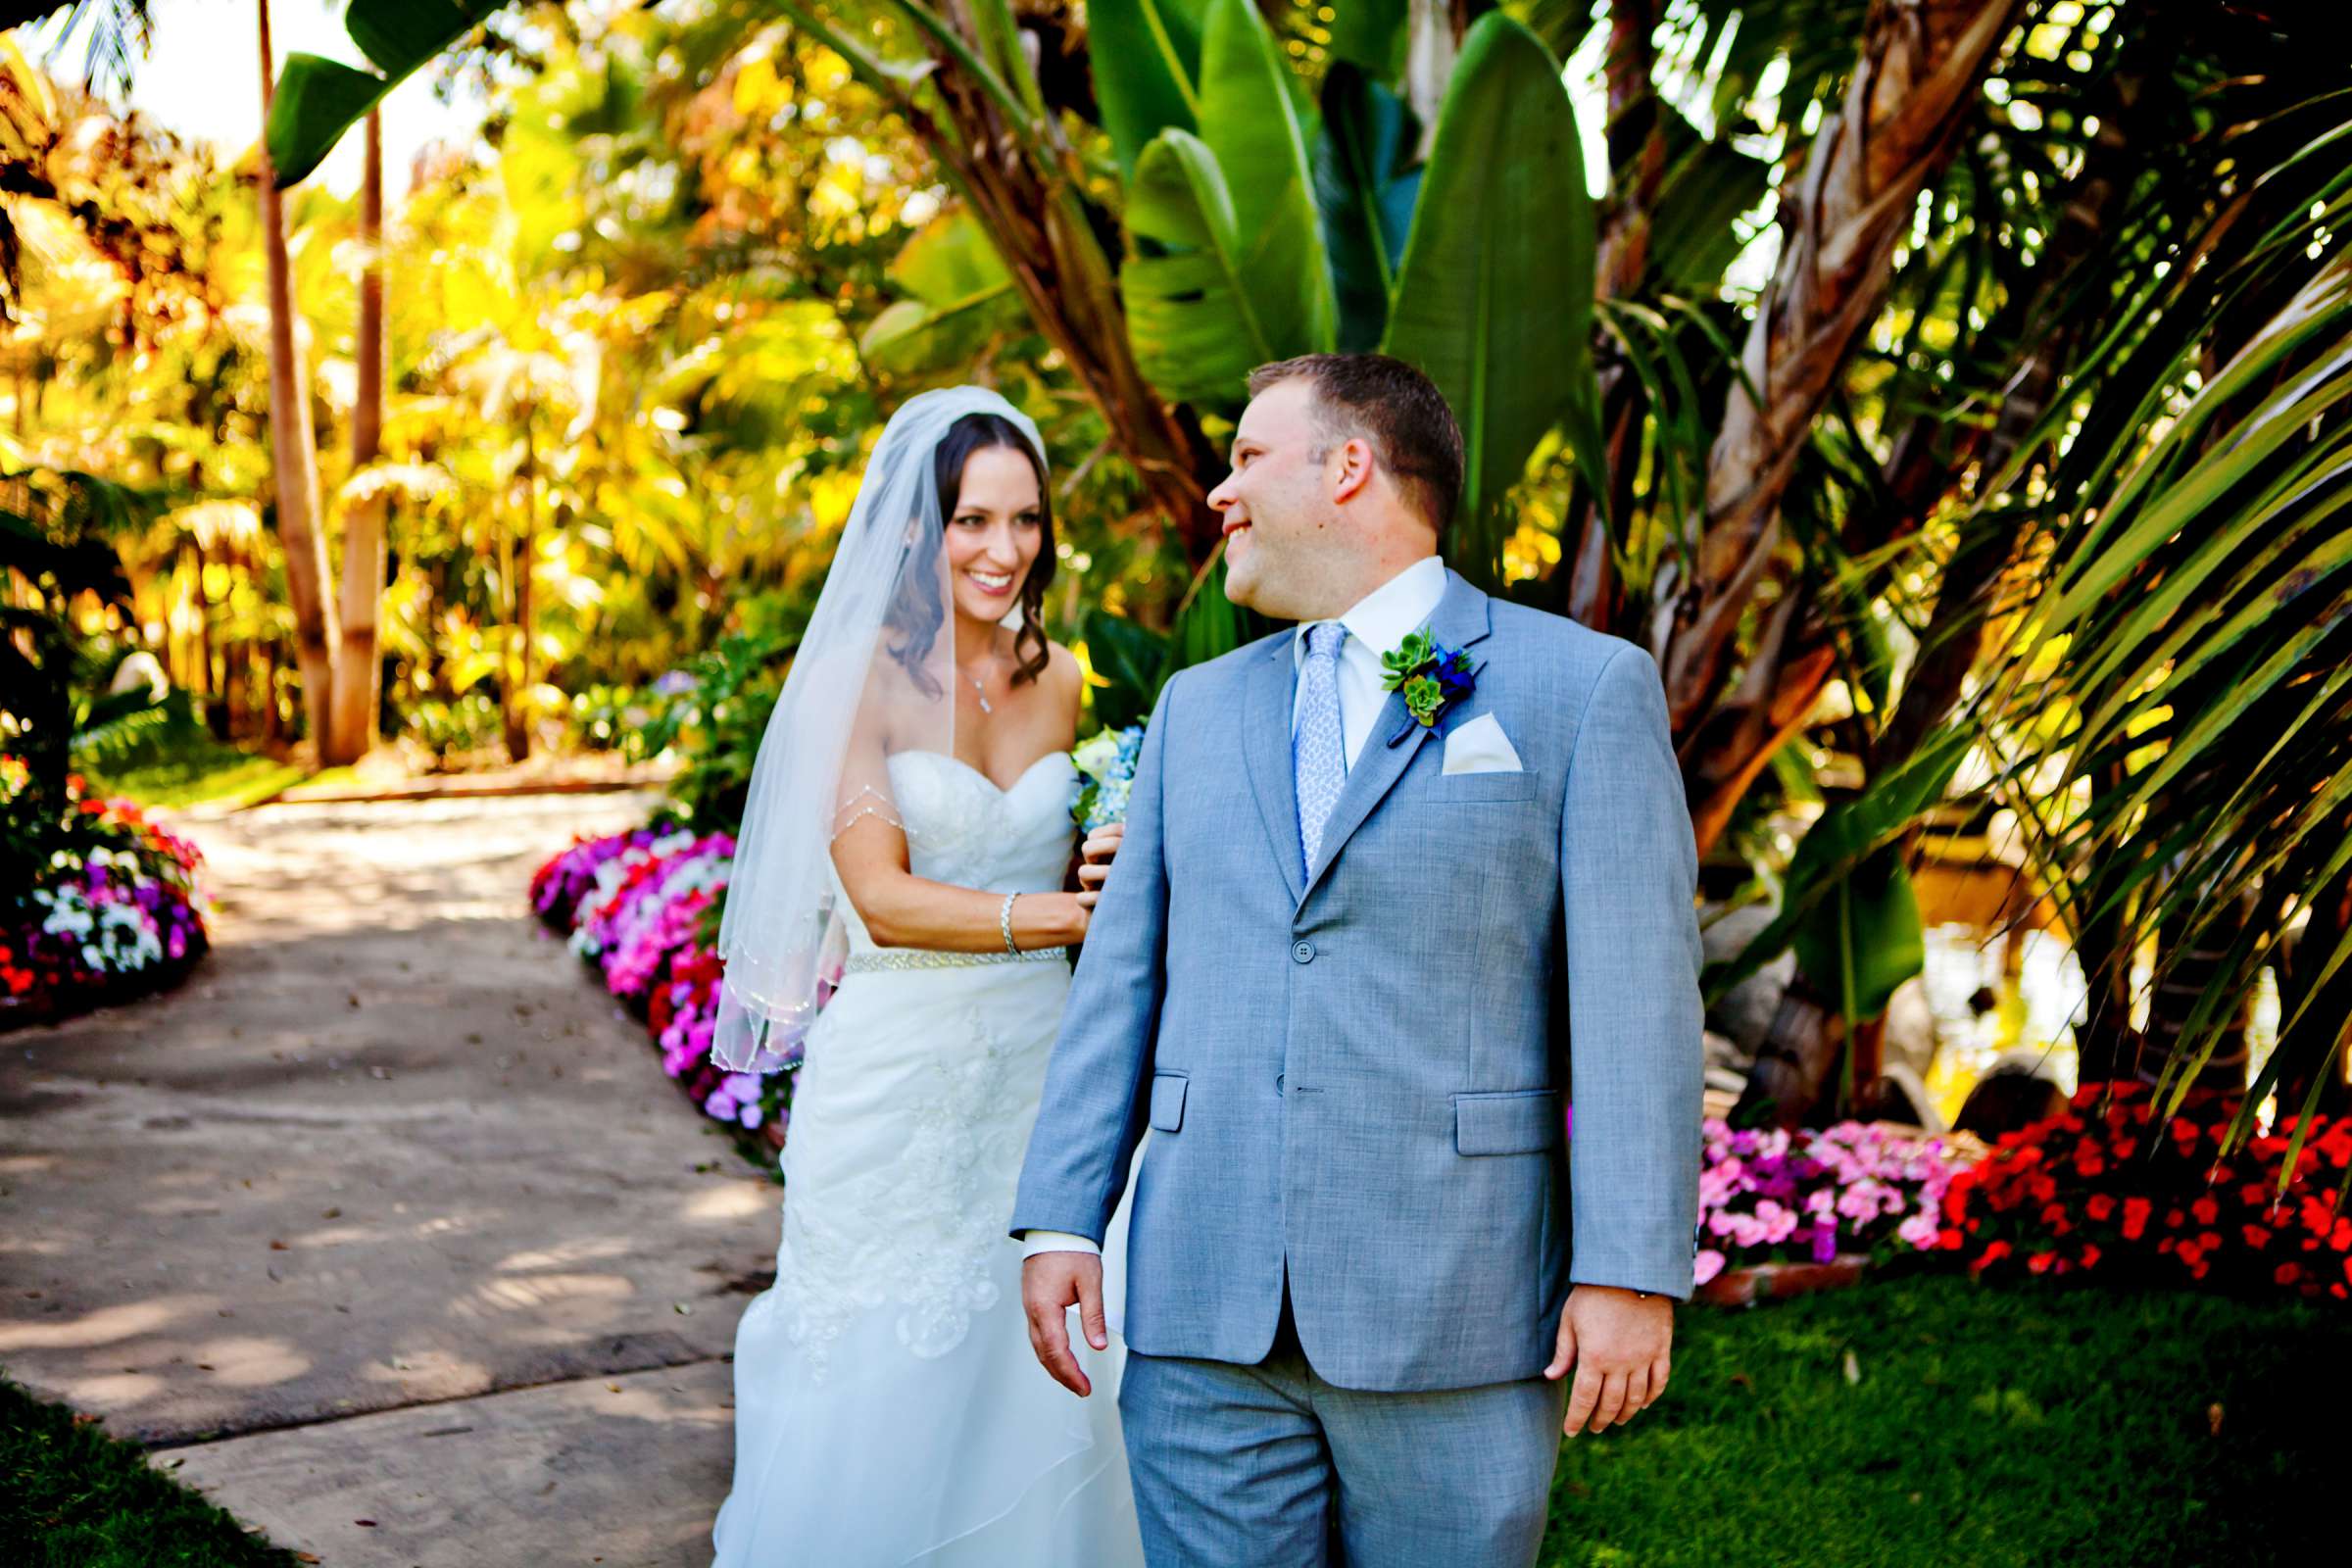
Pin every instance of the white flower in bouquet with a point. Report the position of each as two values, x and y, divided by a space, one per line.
1108 764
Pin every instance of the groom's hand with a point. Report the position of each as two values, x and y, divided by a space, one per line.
1052 1282
1093 868
1618 1344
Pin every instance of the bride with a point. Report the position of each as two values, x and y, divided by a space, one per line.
909 828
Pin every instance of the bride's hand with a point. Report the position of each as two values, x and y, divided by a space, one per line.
1094 869
1052 1282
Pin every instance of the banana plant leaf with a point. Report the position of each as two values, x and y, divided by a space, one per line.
1225 266
1365 184
1127 660
1372 34
316 100
960 296
1493 299
1847 897
1145 56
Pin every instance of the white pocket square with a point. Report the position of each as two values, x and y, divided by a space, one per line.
1480 745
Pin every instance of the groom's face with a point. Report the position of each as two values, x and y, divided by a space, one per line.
1279 516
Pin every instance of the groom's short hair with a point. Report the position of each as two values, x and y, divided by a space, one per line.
1392 406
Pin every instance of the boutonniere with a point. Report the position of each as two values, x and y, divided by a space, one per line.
1432 677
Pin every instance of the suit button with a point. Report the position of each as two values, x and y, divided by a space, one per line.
1304 951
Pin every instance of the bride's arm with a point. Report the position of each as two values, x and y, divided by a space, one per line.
904 911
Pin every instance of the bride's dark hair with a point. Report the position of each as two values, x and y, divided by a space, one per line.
919 613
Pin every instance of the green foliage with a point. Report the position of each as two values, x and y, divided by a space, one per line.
961 297
718 726
1131 662
1146 65
56 533
2005 1427
71 1497
163 756
1365 186
456 729
1503 228
316 100
1847 901
1226 268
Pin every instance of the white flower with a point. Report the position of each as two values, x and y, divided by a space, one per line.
1095 757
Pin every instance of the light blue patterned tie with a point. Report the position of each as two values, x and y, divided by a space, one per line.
1318 749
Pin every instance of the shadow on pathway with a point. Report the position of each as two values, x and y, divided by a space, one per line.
387 1215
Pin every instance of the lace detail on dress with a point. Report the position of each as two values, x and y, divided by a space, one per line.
924 1247
922 1087
968 1132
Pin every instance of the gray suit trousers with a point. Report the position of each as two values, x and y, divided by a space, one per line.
1253 1466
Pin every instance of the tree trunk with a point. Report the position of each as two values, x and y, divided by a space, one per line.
294 451
517 683
1913 85
358 673
1919 472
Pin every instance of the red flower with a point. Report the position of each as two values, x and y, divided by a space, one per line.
2135 1217
1947 1240
2206 1209
2255 1235
2099 1205
2040 1262
2091 1254
2286 1273
1992 1254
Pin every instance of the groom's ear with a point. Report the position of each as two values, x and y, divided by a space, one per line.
1351 467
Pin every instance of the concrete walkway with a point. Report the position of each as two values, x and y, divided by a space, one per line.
385 1230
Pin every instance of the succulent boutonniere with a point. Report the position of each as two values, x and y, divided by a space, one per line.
1432 677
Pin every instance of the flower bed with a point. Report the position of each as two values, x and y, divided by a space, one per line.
1772 1200
108 911
641 908
2110 1188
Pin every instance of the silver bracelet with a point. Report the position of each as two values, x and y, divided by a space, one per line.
1005 922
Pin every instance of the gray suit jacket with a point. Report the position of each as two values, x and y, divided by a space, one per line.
1359 1077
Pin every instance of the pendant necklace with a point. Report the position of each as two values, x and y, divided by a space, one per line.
982 690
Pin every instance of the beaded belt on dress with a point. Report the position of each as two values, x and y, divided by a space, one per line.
926 958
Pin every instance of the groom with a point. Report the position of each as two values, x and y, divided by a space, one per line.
1350 968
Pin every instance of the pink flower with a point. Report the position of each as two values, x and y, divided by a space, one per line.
1706 1265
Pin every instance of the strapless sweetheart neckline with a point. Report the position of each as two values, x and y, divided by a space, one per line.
1000 789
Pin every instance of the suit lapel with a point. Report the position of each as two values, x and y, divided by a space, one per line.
1266 757
1461 619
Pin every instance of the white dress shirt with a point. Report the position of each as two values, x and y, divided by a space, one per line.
1377 625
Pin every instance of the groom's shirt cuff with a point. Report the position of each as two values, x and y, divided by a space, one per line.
1036 1241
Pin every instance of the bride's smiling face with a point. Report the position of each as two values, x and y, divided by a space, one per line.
993 533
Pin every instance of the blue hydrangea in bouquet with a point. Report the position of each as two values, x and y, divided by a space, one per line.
1106 770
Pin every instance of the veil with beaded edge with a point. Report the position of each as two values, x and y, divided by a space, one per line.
875 676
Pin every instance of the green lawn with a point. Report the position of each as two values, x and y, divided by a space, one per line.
1985 1427
180 764
73 1497
1977 1426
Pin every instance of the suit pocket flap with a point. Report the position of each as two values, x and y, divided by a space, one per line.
1167 1101
1518 1122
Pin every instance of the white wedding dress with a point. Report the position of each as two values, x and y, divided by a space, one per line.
888 1407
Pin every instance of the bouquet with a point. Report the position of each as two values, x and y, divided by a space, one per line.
1107 763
